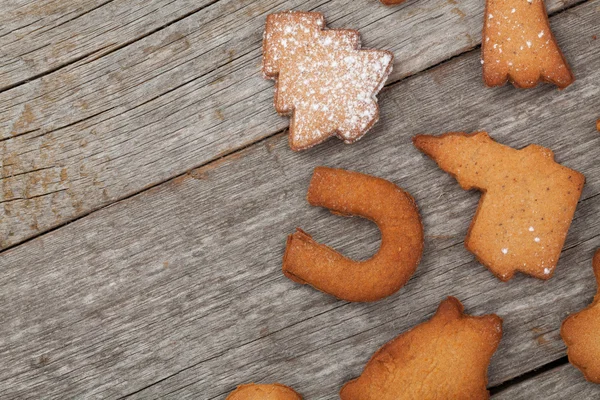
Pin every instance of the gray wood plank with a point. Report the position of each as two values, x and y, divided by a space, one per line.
177 292
37 37
564 382
103 129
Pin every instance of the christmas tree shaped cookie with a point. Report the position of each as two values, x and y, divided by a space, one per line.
444 358
517 45
527 205
323 80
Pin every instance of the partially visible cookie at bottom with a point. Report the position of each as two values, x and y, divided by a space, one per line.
581 334
273 391
446 357
392 2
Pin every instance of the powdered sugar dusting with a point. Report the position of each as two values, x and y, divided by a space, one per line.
323 78
519 47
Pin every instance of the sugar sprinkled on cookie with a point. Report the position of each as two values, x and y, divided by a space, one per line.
324 80
519 46
527 205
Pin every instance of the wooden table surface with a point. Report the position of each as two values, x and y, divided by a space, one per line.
148 188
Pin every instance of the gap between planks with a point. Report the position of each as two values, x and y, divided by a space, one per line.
249 145
96 54
494 390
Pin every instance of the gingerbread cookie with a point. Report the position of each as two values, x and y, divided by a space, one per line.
323 80
446 357
527 204
253 391
392 2
581 334
395 213
517 45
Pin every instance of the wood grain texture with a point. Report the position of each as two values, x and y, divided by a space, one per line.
37 37
178 292
564 382
105 128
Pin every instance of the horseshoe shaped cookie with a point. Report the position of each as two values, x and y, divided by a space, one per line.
395 213
527 204
446 357
581 331
273 391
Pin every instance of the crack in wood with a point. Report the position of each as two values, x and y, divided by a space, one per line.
172 90
84 13
497 389
196 171
112 50
32 197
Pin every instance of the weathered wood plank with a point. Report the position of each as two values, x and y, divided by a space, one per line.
181 285
179 98
39 36
561 383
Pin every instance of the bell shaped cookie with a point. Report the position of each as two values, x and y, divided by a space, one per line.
446 357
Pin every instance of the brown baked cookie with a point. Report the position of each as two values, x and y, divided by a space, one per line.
598 125
395 213
323 80
518 45
446 357
581 334
253 391
392 2
527 204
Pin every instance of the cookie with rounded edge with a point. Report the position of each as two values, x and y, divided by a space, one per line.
392 2
518 46
581 334
273 391
446 357
324 80
527 204
391 208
